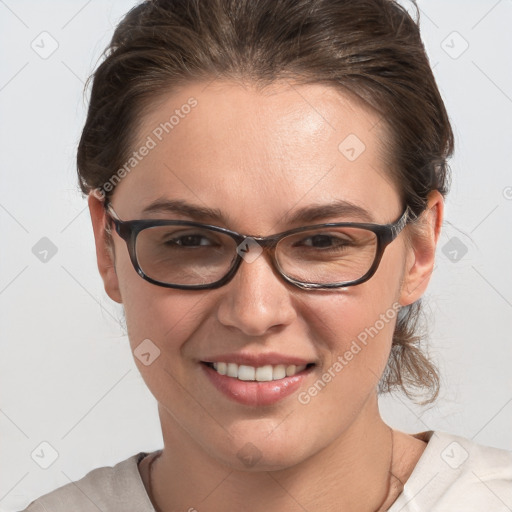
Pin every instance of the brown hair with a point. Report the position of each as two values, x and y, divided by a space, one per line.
371 48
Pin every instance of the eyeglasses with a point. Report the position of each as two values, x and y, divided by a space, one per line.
192 256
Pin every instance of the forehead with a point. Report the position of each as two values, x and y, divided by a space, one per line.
240 149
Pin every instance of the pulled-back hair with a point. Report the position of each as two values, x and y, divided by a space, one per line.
370 48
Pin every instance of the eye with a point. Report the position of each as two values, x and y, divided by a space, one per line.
325 240
192 240
170 237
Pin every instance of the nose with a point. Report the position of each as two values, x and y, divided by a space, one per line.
257 299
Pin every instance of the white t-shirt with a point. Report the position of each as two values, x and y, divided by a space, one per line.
453 474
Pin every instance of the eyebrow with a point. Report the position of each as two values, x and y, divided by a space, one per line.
304 215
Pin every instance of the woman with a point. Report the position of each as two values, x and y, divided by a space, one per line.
266 183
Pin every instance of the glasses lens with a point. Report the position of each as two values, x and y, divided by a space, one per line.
184 255
327 255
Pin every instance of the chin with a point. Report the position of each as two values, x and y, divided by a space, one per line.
251 459
258 451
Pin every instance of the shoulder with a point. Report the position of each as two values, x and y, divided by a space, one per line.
455 473
109 489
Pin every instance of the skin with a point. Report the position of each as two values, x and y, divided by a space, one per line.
256 155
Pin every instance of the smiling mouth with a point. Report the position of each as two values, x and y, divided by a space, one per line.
265 373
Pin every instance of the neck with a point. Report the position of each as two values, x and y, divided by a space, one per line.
350 474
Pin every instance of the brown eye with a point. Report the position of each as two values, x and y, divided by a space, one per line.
322 241
190 241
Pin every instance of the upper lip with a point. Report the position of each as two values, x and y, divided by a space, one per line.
256 360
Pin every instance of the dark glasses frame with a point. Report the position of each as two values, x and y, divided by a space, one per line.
129 230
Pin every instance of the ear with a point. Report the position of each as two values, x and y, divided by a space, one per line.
422 249
104 252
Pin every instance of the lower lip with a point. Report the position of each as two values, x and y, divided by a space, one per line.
256 393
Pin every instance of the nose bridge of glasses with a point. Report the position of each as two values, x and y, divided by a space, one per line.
255 247
252 247
265 242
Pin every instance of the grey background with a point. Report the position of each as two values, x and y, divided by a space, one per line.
66 372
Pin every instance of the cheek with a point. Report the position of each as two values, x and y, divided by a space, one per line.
166 316
356 332
159 322
355 328
154 312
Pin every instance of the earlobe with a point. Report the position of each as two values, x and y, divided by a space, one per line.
422 249
104 253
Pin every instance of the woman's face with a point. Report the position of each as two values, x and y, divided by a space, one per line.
258 158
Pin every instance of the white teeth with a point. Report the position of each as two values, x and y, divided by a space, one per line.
264 373
279 372
232 370
290 370
246 372
260 374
